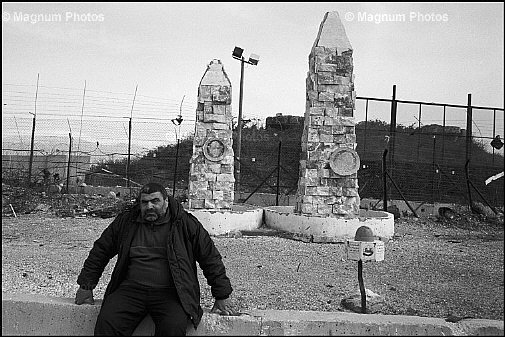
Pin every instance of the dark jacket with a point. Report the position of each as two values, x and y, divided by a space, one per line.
188 243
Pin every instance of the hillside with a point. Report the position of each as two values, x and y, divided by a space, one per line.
427 166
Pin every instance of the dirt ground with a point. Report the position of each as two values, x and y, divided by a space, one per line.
433 267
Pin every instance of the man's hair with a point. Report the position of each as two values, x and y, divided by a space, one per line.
153 188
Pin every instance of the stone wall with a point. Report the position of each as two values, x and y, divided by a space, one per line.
328 184
211 179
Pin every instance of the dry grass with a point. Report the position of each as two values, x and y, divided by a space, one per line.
431 268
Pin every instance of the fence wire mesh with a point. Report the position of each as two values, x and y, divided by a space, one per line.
111 139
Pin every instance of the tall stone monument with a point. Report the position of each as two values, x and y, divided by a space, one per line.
211 180
328 183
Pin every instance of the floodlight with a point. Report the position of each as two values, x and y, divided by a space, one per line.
237 52
254 59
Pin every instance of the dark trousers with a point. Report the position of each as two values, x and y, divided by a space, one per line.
125 308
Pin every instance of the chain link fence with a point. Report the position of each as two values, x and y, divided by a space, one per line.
70 136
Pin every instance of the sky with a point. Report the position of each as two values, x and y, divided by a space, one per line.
434 52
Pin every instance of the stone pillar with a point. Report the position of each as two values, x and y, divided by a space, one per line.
328 183
211 180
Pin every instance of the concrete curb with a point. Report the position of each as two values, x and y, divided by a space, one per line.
28 314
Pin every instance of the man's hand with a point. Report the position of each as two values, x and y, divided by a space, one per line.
224 307
84 296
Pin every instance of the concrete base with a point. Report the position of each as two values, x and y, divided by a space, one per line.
220 222
329 229
36 315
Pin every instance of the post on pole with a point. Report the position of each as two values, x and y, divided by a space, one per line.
129 151
384 181
68 164
361 287
239 125
365 133
392 130
468 153
433 168
30 164
175 169
278 173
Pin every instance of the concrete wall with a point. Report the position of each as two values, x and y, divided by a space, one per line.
36 315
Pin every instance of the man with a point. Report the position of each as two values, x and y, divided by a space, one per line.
158 244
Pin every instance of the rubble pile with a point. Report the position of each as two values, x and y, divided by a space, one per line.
21 200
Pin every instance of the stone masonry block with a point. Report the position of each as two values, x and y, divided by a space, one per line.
316 111
312 135
324 209
204 93
220 126
338 129
221 94
219 109
326 138
217 195
225 177
203 194
311 173
308 208
316 120
325 78
312 181
196 203
227 168
349 192
331 112
214 167
323 173
209 203
198 185
207 107
312 95
337 191
214 118
326 96
329 121
314 155
223 185
223 204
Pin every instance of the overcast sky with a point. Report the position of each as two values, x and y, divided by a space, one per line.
436 52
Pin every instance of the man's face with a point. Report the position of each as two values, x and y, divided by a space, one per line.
152 206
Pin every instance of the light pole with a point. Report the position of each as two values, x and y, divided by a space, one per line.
253 60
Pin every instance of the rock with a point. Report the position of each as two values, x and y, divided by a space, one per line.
482 209
394 210
373 302
446 213
54 189
235 234
42 208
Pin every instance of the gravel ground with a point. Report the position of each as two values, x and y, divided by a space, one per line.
431 268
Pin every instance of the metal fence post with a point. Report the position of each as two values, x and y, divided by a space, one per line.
384 181
129 150
278 174
365 135
175 169
68 164
392 130
433 170
30 163
469 129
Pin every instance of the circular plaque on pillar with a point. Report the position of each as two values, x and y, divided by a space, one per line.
344 161
214 149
